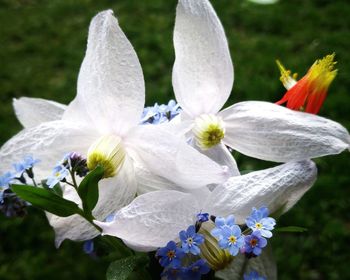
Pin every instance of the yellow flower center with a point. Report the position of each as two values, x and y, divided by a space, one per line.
208 131
108 152
258 225
170 254
232 239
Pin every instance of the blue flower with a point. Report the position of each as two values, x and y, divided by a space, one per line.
231 238
221 224
160 113
254 243
170 255
27 163
196 270
172 273
253 276
5 180
190 240
88 246
259 221
59 173
202 217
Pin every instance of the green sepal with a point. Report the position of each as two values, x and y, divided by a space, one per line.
46 200
88 189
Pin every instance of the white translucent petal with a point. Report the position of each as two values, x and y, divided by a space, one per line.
203 71
114 193
271 132
34 111
170 157
221 155
73 227
153 219
277 187
48 142
110 83
265 265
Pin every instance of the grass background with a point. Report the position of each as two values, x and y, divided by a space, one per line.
43 43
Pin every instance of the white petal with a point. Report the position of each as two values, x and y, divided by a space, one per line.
275 187
73 227
110 83
48 142
221 155
265 265
34 111
271 132
168 156
203 71
114 193
153 219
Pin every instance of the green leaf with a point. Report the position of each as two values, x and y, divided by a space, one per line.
291 229
88 189
47 200
122 269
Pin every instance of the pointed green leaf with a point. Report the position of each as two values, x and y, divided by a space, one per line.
47 200
122 269
88 189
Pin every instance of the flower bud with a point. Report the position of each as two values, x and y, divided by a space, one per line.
108 152
216 257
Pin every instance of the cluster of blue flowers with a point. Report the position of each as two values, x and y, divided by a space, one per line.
72 163
230 236
171 257
10 204
158 114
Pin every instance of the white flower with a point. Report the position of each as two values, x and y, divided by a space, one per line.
202 81
155 218
104 118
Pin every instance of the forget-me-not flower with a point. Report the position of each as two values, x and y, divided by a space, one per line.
191 240
58 174
27 163
254 243
253 275
170 255
195 270
259 221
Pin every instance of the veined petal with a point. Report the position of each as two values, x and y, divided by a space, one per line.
49 142
277 187
270 132
73 227
116 192
168 156
203 71
221 155
110 84
153 219
34 111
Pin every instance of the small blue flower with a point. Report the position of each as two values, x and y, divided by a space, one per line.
88 246
221 224
253 276
196 270
5 180
172 273
202 217
160 113
27 163
231 238
170 255
59 173
259 221
191 240
254 243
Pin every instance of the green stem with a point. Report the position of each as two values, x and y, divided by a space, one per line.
243 268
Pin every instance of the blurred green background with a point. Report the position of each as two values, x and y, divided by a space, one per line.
42 43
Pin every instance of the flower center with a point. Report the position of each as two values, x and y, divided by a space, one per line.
108 152
232 239
253 242
258 225
190 241
171 254
208 131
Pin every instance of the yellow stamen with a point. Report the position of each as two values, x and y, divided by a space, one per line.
287 79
